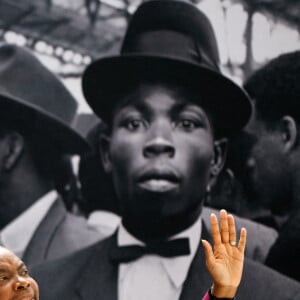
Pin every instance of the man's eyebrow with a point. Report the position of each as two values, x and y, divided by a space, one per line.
179 106
22 265
182 106
140 107
3 270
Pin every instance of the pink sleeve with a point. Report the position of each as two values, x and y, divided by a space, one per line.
206 296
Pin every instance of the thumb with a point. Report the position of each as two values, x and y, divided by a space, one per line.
209 255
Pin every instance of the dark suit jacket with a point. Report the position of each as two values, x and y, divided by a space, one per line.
59 234
90 275
284 256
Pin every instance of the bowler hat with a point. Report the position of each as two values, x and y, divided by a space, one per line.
173 40
33 97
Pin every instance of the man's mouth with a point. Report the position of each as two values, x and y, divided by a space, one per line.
159 181
25 296
158 185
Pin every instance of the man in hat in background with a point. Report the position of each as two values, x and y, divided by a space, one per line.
272 167
169 111
36 112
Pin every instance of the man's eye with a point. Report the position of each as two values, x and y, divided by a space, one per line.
3 278
134 124
187 124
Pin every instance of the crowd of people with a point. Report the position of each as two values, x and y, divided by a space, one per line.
152 172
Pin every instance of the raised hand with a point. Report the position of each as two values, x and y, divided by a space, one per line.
225 261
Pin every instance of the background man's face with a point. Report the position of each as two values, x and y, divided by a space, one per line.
15 283
267 166
160 154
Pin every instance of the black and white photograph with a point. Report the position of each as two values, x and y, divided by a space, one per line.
149 149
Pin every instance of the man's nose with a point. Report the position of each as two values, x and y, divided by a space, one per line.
22 283
160 141
158 146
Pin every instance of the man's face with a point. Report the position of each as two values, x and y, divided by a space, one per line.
267 169
15 283
161 152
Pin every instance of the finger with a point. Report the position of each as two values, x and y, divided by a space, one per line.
232 231
209 255
224 226
215 232
243 239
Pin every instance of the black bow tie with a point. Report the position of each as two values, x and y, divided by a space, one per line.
124 254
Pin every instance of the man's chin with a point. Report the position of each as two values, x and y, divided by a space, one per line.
281 209
29 294
26 297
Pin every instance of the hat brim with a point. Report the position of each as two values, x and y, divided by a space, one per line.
108 77
65 138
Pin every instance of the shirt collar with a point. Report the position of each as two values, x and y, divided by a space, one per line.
176 267
103 217
17 234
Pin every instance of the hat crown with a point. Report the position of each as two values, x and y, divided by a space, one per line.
173 29
33 97
168 41
25 79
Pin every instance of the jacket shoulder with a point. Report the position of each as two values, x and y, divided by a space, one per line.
261 282
54 276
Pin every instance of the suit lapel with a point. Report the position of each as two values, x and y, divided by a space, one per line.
198 280
101 275
36 251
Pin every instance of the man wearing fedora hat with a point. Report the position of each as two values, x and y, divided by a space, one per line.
169 111
36 112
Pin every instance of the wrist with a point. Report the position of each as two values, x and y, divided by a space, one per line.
223 292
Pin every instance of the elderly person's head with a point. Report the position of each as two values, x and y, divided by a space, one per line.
15 282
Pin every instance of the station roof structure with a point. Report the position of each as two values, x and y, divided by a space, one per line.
87 27
95 27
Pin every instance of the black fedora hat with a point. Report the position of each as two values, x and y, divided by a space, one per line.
174 40
32 96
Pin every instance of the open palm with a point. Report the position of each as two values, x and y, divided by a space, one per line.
225 260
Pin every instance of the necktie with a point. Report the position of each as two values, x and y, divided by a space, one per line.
124 254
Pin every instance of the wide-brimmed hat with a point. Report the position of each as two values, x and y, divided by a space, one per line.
33 97
172 40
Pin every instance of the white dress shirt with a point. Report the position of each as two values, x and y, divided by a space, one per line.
17 234
104 221
152 277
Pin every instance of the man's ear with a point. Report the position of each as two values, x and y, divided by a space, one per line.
289 133
14 149
104 147
218 161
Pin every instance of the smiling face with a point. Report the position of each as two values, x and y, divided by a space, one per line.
160 154
15 283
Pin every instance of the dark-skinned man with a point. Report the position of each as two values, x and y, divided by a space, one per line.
169 111
36 114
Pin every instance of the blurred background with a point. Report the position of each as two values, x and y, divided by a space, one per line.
68 34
